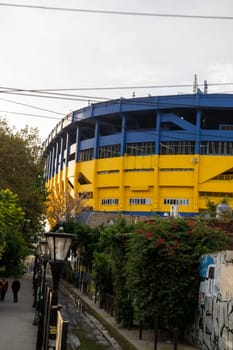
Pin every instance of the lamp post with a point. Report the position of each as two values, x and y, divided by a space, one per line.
59 244
44 258
36 283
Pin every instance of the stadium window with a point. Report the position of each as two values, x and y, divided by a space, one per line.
177 147
86 155
109 151
216 194
176 201
216 147
109 201
140 201
139 170
101 172
140 148
176 169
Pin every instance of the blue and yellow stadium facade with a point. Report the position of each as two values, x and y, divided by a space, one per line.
141 156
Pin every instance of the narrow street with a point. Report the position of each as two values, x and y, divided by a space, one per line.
84 329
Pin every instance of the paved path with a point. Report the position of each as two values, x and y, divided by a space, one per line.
18 333
16 329
132 336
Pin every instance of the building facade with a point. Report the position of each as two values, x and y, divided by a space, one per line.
161 155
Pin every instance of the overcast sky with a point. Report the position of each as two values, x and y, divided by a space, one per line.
47 49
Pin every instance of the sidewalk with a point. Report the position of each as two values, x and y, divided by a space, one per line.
131 336
16 330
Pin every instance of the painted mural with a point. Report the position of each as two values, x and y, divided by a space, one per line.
216 302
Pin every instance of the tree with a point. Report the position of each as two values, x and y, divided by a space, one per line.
162 268
21 171
13 245
62 207
110 260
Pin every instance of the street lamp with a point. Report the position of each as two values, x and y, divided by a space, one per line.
59 244
36 280
44 258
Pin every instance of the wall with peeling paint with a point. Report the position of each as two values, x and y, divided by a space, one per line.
215 326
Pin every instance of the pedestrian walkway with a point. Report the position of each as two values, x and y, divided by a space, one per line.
18 333
131 336
16 330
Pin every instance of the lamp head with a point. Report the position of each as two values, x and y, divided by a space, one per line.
59 244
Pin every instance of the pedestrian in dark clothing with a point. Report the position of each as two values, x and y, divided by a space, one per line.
15 286
4 287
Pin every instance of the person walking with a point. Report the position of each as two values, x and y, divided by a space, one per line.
4 287
15 286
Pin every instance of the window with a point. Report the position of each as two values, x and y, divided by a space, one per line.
177 147
216 194
176 169
109 151
216 147
140 148
86 155
175 201
108 171
140 201
110 201
139 170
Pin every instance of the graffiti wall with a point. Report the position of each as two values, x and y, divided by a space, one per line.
216 302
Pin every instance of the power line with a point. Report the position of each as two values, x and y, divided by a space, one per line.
31 115
26 105
130 87
50 94
137 101
124 13
120 87
46 95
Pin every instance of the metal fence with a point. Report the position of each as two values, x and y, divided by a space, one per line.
51 337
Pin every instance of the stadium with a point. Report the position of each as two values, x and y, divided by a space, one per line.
155 155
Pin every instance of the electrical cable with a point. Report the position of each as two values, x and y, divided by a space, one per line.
132 87
49 93
124 13
115 88
46 96
94 99
26 105
30 115
130 101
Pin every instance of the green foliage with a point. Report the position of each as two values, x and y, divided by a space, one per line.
21 172
103 275
109 265
85 242
150 268
211 208
14 248
162 268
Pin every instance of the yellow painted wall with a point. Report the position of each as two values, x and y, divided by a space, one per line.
154 184
211 166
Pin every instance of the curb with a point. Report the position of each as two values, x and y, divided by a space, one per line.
114 335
